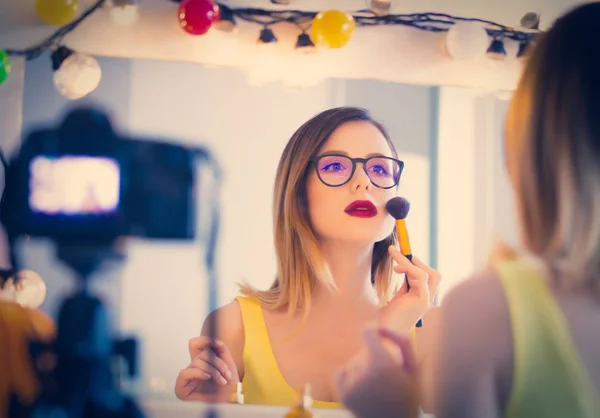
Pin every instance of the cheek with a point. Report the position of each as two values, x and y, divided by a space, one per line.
319 198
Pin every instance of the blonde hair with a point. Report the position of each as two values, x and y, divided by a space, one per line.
553 150
300 264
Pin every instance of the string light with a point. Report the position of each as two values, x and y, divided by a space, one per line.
4 66
496 50
467 38
197 16
227 21
304 43
380 7
123 12
332 28
57 12
75 74
266 36
27 289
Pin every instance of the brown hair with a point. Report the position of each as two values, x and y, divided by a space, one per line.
300 264
553 149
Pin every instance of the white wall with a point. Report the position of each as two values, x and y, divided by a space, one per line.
160 293
475 201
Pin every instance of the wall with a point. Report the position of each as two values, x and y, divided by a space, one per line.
475 202
160 293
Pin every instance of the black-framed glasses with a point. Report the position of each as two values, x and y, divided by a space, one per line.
335 170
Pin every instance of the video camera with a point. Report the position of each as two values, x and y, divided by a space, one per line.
84 186
83 182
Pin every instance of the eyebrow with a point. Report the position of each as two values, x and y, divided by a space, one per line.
376 154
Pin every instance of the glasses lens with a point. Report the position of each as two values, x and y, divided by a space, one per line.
383 172
334 170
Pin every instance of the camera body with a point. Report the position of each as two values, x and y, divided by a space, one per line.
83 182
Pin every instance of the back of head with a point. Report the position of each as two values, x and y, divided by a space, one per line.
553 148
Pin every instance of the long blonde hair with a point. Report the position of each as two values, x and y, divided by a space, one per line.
300 264
553 149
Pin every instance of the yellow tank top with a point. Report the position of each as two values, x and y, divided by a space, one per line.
549 379
263 382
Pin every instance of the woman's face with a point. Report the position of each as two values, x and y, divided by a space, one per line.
354 211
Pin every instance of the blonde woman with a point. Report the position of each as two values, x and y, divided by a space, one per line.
334 242
522 339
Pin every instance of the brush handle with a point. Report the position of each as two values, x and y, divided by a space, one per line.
409 256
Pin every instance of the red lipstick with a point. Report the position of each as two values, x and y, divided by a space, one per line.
361 209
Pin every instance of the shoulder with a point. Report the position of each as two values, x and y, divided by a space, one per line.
228 319
229 329
477 339
478 305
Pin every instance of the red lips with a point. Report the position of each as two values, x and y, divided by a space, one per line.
361 209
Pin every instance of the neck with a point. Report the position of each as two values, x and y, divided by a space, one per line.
350 266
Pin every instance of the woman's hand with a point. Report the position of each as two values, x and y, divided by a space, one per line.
407 306
385 385
211 374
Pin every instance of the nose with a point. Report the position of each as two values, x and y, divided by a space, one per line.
359 179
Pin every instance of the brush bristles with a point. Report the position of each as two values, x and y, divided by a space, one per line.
398 207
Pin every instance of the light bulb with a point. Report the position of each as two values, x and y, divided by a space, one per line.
380 7
124 12
77 76
29 290
467 40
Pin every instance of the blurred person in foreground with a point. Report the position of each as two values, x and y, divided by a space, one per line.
520 339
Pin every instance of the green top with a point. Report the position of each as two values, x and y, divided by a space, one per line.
549 379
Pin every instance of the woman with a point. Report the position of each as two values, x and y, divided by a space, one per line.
522 338
334 242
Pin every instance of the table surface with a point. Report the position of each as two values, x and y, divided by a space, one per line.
181 409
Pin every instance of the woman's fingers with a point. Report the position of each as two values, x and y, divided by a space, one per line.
434 276
211 357
404 343
198 344
405 266
193 373
209 369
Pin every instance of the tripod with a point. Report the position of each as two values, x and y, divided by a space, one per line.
75 370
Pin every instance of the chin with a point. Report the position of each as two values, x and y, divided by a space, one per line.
364 235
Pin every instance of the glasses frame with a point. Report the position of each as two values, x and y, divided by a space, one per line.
315 160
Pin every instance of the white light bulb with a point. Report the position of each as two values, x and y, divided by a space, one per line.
380 7
124 15
29 290
77 76
467 40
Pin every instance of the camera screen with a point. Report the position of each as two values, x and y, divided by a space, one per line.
74 185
